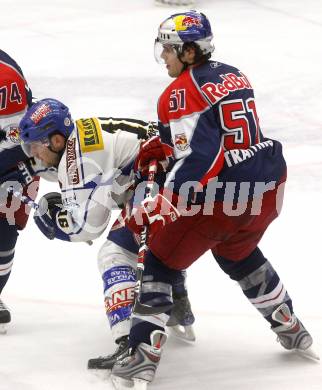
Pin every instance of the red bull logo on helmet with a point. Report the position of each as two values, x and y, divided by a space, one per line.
183 22
190 21
40 113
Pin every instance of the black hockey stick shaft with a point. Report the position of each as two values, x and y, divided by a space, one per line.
140 308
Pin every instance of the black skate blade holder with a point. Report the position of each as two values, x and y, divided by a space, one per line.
138 307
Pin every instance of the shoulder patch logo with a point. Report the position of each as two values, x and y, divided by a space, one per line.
90 135
12 133
181 142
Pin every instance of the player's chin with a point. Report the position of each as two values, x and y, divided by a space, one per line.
172 73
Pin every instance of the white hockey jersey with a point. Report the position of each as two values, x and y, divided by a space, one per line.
96 173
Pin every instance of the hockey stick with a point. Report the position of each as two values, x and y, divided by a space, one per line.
29 202
24 199
138 307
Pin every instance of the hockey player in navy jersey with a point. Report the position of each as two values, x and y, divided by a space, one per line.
15 168
223 189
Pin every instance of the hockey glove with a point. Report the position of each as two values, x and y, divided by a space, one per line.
154 212
50 207
22 174
152 149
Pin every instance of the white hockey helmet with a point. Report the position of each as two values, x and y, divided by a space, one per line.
181 28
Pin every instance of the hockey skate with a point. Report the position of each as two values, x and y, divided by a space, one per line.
107 362
291 333
181 320
138 370
5 317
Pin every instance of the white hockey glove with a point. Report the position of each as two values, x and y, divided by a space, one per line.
51 210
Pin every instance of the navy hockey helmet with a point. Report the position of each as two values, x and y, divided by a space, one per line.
46 117
181 28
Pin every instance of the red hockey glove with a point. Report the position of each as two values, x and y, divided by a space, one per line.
155 212
152 149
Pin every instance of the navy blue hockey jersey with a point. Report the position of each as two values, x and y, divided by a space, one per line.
208 114
15 97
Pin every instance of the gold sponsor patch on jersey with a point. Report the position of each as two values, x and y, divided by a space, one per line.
90 135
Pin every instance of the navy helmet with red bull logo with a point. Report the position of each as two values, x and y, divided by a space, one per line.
181 28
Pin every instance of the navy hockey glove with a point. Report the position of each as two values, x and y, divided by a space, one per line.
45 217
22 174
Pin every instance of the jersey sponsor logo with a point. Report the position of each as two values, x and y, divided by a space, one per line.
40 113
231 82
90 135
12 133
119 315
119 275
113 319
72 170
120 298
181 142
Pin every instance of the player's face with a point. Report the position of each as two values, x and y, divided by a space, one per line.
173 64
40 150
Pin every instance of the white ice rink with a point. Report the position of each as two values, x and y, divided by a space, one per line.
97 57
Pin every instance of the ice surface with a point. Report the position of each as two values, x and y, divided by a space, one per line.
97 57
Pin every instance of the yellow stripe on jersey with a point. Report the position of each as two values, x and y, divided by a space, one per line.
90 135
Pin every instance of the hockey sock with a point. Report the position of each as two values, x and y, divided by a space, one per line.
259 281
8 240
156 291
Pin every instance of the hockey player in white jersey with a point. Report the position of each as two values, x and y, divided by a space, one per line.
95 159
93 177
